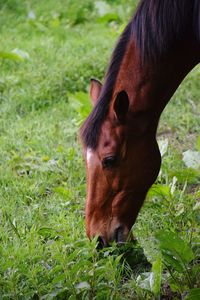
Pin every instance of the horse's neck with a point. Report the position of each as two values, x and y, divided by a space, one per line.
150 86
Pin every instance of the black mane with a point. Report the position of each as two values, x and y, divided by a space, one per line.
159 24
155 27
91 127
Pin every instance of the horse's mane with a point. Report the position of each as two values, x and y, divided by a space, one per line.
155 27
91 127
158 24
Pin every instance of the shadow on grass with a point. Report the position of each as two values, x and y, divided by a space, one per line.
132 256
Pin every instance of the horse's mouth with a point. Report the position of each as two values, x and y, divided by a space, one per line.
119 236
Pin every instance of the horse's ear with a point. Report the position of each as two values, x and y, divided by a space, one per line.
121 106
95 89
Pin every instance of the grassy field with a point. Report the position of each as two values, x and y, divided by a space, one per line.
48 52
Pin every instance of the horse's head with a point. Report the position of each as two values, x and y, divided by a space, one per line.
120 169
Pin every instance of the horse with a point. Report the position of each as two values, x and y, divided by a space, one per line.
157 49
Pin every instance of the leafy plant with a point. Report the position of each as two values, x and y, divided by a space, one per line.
177 255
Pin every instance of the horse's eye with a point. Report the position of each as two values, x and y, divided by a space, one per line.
109 162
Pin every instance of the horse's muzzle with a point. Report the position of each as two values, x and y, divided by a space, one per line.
117 236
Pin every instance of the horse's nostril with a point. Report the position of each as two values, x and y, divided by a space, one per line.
119 236
100 243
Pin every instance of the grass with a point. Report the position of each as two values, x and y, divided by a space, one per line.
44 253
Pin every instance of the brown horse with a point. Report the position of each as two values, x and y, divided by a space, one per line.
159 46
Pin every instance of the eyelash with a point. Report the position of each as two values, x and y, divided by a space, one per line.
109 162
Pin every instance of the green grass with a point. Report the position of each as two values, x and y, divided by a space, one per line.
44 253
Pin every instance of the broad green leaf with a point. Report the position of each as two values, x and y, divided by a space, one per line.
151 281
150 249
190 175
196 206
175 250
45 231
159 190
59 278
21 53
174 286
156 276
39 26
11 56
81 104
172 261
63 191
194 294
108 18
